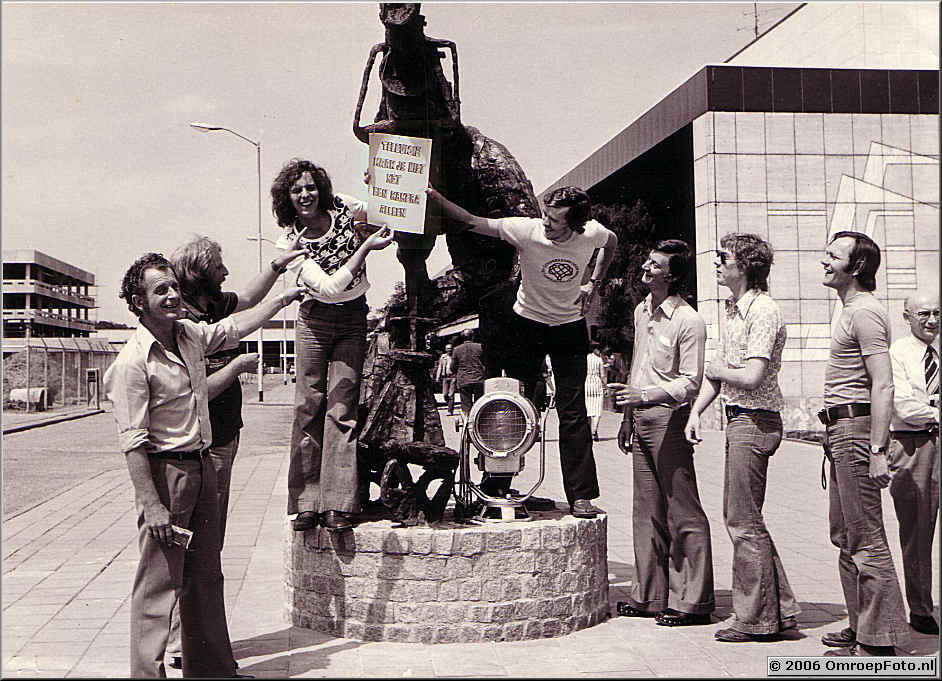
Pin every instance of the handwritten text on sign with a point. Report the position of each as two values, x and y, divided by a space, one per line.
399 172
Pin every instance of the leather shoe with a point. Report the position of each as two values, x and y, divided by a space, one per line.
924 624
306 520
335 521
583 508
674 618
844 638
862 650
176 662
625 609
736 636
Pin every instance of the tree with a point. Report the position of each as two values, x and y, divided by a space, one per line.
395 302
622 288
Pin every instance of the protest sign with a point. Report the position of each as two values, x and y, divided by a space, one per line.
399 169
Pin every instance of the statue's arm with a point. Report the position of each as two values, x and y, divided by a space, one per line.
376 49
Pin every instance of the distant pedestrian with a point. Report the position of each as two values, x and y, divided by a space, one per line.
445 374
858 406
744 373
594 388
673 554
468 368
158 387
914 452
330 341
545 389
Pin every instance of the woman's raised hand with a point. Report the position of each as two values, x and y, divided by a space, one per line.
293 251
380 239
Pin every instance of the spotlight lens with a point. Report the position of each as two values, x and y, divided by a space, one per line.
501 425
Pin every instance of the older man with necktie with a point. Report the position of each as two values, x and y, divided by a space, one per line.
914 452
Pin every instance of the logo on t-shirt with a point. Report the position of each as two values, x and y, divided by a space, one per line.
560 269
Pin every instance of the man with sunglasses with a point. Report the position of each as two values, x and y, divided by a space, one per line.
673 554
744 373
914 452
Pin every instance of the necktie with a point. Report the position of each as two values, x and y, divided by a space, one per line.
932 372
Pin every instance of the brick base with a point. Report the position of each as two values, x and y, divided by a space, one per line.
452 583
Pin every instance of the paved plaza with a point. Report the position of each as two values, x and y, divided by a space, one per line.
68 564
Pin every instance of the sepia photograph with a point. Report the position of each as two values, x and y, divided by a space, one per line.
470 339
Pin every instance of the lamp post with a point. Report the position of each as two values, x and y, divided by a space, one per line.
205 127
284 317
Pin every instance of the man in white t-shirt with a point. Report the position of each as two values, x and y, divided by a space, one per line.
549 316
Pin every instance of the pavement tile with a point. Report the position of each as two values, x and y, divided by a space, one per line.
58 633
464 660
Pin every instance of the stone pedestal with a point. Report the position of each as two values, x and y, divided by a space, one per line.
451 583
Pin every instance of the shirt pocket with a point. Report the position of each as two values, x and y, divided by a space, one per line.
662 353
735 356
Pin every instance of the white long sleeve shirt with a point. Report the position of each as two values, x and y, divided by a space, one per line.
911 408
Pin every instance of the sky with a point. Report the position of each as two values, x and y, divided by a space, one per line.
100 165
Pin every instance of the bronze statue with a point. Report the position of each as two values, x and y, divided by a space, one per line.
481 175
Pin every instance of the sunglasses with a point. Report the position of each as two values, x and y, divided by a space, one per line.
723 256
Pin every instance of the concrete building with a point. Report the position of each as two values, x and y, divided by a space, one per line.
46 295
828 122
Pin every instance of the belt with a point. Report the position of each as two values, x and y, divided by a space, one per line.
193 455
733 410
830 415
355 302
928 432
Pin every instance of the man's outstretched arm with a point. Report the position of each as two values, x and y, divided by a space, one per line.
456 213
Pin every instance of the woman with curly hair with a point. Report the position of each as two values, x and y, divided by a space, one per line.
330 341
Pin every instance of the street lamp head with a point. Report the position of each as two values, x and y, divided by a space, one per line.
204 127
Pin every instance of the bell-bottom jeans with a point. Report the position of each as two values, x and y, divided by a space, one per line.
868 577
330 344
762 598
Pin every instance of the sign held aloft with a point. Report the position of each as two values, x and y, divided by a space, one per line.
399 168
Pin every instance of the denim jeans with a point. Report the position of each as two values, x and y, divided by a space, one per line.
762 597
868 577
671 533
567 346
330 342
914 462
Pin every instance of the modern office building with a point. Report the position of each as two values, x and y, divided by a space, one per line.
828 122
46 295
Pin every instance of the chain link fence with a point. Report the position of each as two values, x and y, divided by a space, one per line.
50 373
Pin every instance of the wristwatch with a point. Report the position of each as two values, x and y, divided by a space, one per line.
278 270
644 395
877 449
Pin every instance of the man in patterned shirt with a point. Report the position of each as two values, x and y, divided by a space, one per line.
744 374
